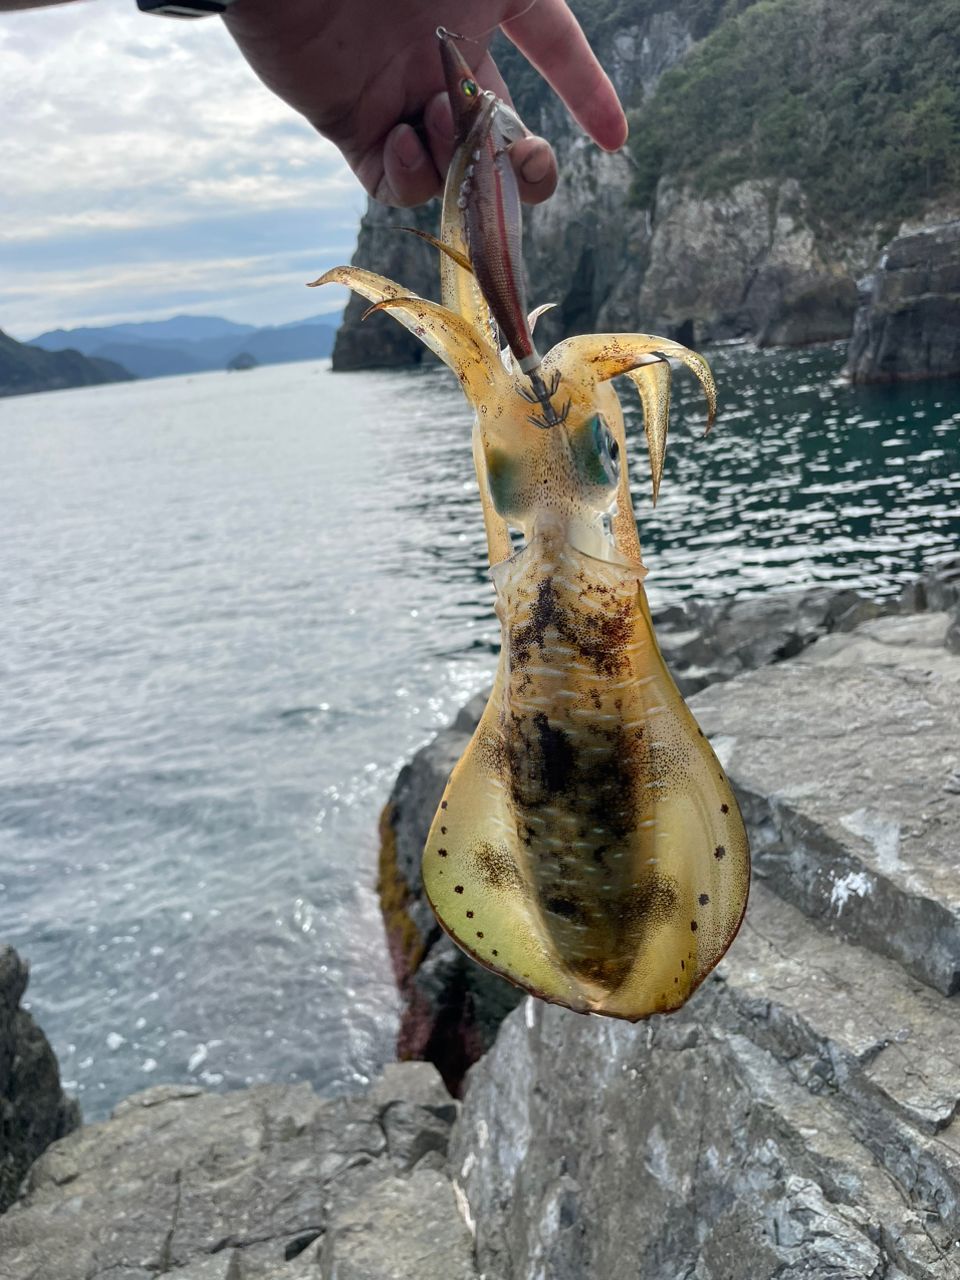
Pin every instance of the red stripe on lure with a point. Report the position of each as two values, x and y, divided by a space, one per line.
484 127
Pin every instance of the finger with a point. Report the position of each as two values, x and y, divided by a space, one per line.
536 168
551 38
409 175
489 77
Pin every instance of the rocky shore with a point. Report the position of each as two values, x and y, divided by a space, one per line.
798 1118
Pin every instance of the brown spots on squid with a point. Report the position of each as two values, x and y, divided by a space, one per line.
719 852
704 899
496 868
458 888
541 764
599 638
724 808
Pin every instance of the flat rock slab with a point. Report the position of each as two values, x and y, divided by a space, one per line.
241 1186
844 1019
847 764
405 1229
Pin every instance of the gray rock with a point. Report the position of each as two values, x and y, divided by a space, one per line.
405 1229
746 263
908 320
840 761
797 1118
269 1183
34 1110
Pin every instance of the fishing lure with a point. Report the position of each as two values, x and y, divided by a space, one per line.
588 846
488 198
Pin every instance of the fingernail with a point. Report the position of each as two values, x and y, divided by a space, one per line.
407 148
537 165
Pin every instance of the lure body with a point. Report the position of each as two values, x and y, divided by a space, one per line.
485 189
588 846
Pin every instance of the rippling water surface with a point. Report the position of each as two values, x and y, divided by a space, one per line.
230 606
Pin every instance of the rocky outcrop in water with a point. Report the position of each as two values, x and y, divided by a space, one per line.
908 322
34 1111
269 1183
745 264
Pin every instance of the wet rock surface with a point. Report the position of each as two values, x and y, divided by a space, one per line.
269 1183
34 1111
908 321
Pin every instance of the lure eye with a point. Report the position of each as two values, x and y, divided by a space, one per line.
608 451
469 88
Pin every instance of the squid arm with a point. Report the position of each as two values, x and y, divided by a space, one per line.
461 348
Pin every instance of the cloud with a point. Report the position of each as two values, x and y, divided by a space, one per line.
138 140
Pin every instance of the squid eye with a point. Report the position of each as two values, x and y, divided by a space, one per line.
608 451
469 88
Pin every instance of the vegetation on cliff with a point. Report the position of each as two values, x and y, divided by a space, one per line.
861 103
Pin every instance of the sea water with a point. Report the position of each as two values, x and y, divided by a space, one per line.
232 605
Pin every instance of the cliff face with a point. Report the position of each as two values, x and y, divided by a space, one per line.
24 369
382 246
34 1111
724 217
908 324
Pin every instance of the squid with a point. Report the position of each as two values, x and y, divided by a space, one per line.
588 846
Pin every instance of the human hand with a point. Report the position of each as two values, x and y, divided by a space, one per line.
367 75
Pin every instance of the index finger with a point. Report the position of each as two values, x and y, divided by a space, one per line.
550 37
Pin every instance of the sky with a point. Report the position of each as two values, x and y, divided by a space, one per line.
146 172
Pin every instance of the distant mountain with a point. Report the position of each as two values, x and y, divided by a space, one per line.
24 368
189 344
176 329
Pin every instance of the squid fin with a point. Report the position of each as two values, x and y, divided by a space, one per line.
477 886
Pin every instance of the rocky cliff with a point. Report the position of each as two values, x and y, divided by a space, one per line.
24 368
763 174
34 1111
908 322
